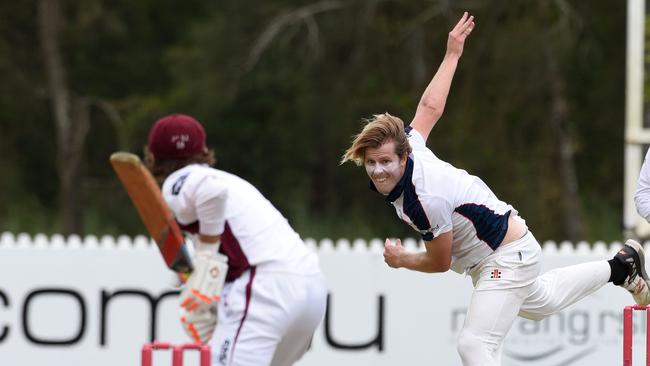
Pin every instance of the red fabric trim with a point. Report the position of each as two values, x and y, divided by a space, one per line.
249 291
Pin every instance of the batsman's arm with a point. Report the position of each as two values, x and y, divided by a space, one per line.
434 98
210 239
208 244
204 286
436 257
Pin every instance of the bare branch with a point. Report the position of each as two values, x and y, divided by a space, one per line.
50 19
284 20
115 119
312 28
424 17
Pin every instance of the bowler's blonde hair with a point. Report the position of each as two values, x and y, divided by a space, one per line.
379 129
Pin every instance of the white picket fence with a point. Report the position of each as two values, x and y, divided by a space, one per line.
23 240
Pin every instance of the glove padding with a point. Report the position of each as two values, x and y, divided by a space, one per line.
199 324
203 287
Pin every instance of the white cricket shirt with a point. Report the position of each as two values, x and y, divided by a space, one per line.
253 232
434 197
642 194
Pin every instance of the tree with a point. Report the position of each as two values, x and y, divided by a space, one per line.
71 116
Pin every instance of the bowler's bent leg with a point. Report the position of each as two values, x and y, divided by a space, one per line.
559 288
489 317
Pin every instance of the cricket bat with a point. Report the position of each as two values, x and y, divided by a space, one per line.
154 211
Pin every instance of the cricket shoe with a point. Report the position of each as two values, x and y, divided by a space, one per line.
636 283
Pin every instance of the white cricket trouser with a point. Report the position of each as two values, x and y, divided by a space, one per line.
507 284
267 318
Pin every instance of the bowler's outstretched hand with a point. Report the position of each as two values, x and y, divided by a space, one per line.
459 34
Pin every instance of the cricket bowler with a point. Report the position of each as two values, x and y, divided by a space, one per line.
467 229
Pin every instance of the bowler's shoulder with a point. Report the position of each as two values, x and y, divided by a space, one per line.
415 138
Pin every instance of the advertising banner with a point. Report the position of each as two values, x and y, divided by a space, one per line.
96 302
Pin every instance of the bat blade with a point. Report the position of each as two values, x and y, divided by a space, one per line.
153 211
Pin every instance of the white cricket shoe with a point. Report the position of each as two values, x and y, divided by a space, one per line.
636 283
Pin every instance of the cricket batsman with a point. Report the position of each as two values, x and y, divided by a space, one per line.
256 293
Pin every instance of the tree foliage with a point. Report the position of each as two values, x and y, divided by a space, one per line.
282 86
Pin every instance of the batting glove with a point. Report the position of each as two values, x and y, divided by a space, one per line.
199 324
203 287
